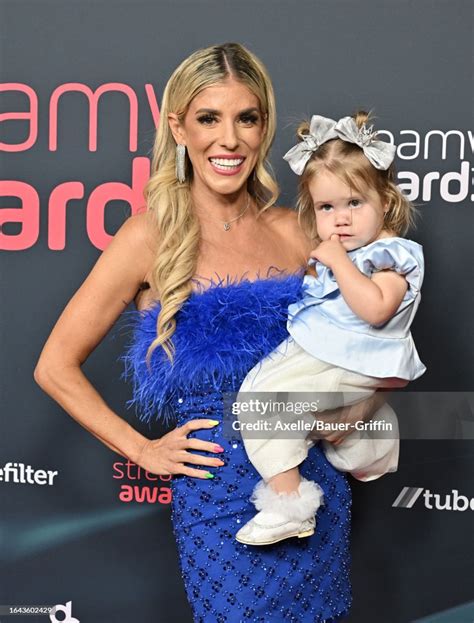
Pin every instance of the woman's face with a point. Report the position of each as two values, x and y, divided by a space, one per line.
223 131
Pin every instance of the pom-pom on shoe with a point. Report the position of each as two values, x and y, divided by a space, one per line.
282 515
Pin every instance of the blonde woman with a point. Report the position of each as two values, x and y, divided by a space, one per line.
222 264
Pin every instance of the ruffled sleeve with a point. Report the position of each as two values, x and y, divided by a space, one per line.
319 287
403 256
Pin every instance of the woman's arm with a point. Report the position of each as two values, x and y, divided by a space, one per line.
87 318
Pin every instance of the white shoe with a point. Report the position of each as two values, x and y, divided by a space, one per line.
282 515
267 528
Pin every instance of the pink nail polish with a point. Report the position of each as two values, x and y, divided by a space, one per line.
218 448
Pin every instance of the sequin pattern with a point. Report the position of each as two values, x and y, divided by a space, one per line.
294 581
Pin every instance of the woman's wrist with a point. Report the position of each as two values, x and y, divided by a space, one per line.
133 443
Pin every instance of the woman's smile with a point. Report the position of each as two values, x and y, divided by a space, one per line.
227 164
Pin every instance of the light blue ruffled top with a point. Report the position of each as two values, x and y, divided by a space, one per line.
324 325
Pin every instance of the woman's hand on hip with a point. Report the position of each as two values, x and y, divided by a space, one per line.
168 454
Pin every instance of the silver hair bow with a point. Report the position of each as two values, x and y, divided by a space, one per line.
323 129
379 153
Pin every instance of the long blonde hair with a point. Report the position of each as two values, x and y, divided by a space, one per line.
347 161
170 201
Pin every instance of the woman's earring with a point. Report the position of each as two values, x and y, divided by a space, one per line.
180 163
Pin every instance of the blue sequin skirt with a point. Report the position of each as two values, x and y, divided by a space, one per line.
296 580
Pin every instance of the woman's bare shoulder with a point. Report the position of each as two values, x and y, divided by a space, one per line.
285 221
281 215
139 231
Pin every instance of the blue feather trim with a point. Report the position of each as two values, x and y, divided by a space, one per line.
221 331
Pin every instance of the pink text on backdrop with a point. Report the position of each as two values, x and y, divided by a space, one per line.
28 214
31 116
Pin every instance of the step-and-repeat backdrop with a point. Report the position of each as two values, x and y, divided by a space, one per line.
81 85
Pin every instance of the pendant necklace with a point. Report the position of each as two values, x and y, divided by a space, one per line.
236 218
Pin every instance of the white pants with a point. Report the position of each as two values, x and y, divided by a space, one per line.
289 368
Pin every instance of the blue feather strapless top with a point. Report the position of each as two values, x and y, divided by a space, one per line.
221 333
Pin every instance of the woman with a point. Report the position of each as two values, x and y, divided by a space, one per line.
224 264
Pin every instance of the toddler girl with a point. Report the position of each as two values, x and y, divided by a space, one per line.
350 332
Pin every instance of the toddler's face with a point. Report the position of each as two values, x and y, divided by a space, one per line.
356 218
